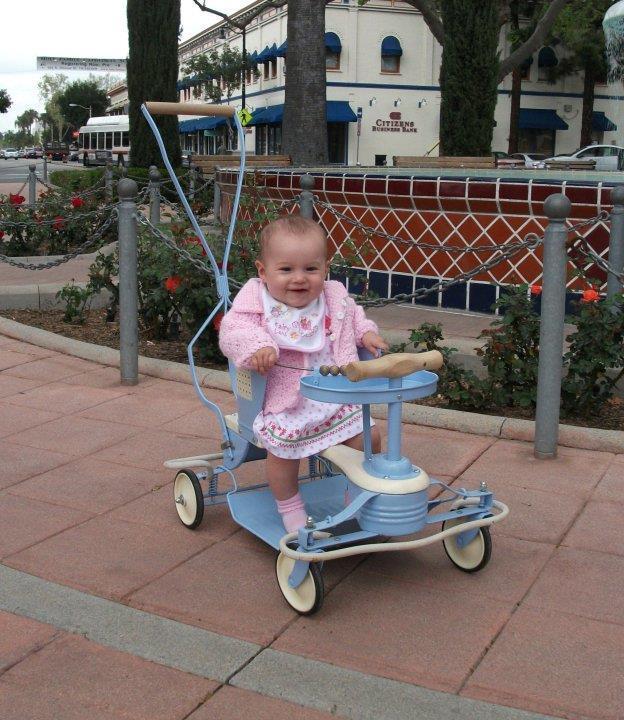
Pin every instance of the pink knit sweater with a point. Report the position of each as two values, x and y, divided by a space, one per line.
243 332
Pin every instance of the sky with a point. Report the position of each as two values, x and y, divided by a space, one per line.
60 28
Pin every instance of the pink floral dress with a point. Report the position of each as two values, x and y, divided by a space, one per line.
310 426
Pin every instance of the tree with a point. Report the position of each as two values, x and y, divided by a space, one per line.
304 128
579 28
5 101
469 71
462 52
86 93
152 75
50 87
24 123
213 70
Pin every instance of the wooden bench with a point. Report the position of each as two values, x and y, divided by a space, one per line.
209 163
407 161
570 164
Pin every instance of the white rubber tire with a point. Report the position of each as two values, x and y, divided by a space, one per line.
472 557
308 597
188 498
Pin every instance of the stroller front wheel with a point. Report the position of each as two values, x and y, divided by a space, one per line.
308 597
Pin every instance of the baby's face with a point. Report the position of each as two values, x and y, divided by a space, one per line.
294 268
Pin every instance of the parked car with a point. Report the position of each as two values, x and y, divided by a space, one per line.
606 157
530 160
31 152
11 154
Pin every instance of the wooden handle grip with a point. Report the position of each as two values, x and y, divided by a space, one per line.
393 366
173 108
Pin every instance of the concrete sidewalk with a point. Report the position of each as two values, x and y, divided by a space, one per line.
110 608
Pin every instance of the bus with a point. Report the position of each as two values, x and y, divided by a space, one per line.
103 139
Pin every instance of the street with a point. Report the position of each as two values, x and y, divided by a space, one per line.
16 171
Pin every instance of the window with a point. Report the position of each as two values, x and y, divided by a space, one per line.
273 64
116 139
391 52
532 140
266 70
333 49
546 63
525 68
109 140
125 138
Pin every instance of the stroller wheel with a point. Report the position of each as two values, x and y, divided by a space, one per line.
471 557
188 498
308 597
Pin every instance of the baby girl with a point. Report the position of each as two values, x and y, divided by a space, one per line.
287 320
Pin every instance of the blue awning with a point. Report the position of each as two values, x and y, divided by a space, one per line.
540 119
547 58
337 111
332 43
253 57
269 53
601 123
202 123
391 47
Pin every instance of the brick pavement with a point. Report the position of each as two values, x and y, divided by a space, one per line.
86 504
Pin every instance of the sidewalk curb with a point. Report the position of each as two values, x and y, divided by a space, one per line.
457 420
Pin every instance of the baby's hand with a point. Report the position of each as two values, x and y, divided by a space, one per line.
373 342
263 360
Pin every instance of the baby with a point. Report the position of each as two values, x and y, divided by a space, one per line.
287 320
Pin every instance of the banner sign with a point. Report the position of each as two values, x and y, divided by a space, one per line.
63 63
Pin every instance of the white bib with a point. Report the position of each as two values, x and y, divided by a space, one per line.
301 329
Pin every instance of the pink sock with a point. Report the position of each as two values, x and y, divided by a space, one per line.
293 512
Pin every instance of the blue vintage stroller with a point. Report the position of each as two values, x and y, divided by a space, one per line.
359 502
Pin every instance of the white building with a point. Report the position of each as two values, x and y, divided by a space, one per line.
383 65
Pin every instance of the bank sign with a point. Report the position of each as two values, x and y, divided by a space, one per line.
64 63
394 124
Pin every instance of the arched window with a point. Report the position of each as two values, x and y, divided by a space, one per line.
391 52
333 49
546 61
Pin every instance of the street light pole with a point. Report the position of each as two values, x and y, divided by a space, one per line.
83 107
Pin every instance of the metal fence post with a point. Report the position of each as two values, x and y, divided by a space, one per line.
128 305
557 209
216 201
192 173
616 241
32 185
108 179
154 193
45 168
306 198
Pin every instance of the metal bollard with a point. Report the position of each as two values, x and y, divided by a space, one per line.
306 198
32 185
557 209
616 241
108 180
154 193
128 305
45 168
216 201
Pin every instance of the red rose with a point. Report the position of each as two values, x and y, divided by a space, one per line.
217 321
194 240
77 202
590 295
58 223
1 234
536 290
16 199
172 283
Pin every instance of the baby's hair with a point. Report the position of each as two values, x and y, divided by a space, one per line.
292 225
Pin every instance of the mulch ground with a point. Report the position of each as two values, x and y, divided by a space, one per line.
96 330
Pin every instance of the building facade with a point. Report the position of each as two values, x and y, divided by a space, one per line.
383 68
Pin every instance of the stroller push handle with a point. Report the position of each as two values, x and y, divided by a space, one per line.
395 365
172 108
